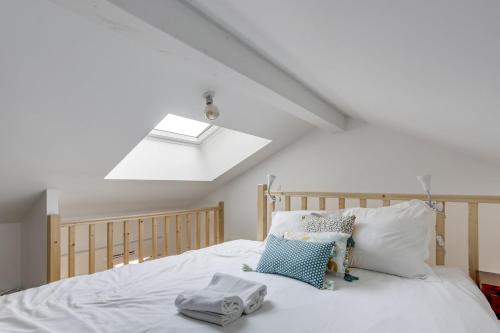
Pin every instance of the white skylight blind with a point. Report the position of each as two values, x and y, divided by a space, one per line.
183 126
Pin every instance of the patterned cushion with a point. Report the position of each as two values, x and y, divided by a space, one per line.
344 225
337 262
304 261
318 223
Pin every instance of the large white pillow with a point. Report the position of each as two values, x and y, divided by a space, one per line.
283 221
393 239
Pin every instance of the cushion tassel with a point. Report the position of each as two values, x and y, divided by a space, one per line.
246 268
349 278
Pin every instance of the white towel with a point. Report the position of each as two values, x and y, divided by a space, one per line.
216 307
251 293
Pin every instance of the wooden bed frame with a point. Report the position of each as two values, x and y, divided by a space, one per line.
212 217
264 213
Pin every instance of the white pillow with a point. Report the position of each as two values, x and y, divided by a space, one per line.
283 221
393 239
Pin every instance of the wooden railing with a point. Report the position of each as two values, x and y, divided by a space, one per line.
264 211
208 219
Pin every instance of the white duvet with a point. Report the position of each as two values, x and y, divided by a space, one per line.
140 298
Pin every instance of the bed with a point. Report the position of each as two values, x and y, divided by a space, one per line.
139 298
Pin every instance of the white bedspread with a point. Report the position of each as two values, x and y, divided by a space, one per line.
140 298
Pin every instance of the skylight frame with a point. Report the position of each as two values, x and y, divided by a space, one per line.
182 126
183 138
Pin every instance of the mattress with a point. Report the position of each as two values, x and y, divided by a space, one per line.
140 298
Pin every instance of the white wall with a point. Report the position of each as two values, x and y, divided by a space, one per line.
34 240
10 255
371 159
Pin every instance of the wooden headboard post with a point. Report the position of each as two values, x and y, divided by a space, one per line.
261 212
53 248
473 202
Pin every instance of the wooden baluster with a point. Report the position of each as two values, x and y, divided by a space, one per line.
287 203
207 228
386 202
165 235
273 206
177 235
154 238
362 203
197 231
473 240
126 242
322 203
91 248
214 234
303 203
71 250
109 245
341 203
220 222
140 238
188 232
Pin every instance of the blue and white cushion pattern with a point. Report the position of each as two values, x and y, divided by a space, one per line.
304 261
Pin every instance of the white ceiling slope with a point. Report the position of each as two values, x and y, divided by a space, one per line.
76 97
430 68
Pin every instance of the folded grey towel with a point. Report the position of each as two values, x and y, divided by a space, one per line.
209 301
251 293
211 317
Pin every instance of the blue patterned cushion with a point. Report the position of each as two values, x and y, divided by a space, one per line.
304 261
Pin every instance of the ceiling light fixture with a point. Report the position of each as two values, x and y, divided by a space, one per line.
211 110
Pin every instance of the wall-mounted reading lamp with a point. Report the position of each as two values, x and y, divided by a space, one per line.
270 181
425 180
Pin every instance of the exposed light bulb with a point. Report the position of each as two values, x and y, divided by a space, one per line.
211 110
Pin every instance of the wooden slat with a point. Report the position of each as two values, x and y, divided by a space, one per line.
53 248
140 240
287 203
341 203
177 234
197 236
109 245
473 241
91 248
220 222
165 236
126 242
303 203
207 228
394 196
261 212
362 202
214 233
322 203
440 231
386 202
71 251
135 217
188 232
154 238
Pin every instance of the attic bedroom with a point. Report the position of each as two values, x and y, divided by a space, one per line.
249 166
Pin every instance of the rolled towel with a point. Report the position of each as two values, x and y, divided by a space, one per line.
251 293
210 305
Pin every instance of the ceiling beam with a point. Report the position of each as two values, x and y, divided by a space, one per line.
208 44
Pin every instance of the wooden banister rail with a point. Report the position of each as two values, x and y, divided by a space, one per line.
188 225
473 201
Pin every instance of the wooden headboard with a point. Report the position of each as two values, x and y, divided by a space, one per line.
264 213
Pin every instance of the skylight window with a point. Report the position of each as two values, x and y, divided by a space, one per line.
183 126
